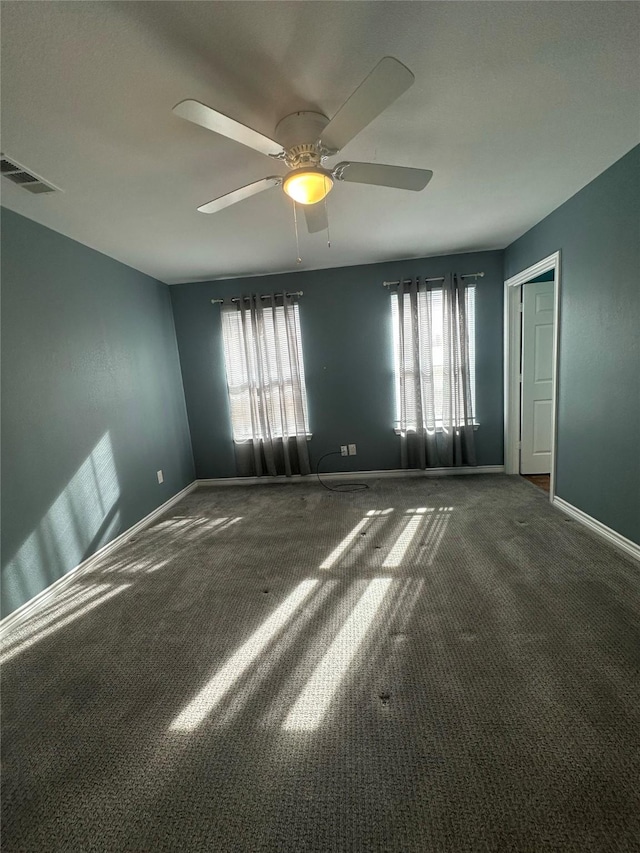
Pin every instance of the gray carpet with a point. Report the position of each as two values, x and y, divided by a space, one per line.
459 679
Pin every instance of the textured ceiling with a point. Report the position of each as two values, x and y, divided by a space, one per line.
515 107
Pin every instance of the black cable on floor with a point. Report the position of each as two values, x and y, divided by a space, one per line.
346 487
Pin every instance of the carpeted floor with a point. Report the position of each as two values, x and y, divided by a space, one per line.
430 665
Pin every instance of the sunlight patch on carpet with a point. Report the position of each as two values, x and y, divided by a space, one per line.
314 701
206 700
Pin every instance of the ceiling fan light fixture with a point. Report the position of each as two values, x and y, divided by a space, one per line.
308 185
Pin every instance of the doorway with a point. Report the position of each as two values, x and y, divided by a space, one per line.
532 299
536 374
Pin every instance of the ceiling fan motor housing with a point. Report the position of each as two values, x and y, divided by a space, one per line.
298 134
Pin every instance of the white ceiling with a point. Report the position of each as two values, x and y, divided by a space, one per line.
515 107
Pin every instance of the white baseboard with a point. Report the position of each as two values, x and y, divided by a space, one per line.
599 528
309 479
69 576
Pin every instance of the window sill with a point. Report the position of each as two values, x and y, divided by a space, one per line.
308 436
439 429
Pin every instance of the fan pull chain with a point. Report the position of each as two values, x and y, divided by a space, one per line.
328 231
295 225
326 213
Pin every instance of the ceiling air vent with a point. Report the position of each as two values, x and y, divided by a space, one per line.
19 175
8 166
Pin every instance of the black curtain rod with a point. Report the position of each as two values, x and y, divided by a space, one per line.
267 296
440 278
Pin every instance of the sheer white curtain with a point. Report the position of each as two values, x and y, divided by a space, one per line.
433 361
265 376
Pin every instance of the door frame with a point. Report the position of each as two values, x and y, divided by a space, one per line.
512 347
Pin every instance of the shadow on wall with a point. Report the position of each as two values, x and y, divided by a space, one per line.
82 519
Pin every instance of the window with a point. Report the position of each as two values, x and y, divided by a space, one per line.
265 374
431 358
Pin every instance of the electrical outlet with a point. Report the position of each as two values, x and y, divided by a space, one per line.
160 476
352 450
343 450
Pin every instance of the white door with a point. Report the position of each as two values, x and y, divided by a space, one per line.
537 378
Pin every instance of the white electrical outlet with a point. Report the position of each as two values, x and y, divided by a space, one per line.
160 476
343 450
352 450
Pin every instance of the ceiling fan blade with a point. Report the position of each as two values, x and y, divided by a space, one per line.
316 216
388 80
239 194
381 175
220 123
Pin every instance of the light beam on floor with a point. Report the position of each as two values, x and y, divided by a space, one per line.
396 555
437 531
313 702
50 629
54 610
335 555
206 700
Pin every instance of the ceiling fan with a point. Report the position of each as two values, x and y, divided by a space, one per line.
305 140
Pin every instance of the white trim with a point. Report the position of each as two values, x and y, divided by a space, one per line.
310 479
244 441
599 528
67 577
438 428
512 345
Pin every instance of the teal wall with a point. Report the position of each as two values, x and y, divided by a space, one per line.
598 450
347 345
92 404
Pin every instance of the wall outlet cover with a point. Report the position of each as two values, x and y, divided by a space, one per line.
352 450
343 450
160 476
